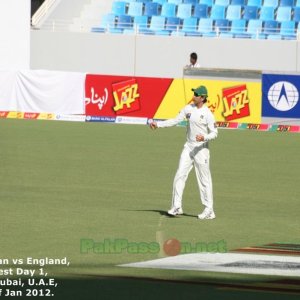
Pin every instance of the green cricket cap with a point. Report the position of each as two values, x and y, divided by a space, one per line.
200 90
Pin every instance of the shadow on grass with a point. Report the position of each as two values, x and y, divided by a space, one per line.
161 212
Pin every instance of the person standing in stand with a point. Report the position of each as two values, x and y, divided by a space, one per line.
193 61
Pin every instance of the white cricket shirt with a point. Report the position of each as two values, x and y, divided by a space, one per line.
200 121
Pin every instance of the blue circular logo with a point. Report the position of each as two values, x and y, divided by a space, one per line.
283 96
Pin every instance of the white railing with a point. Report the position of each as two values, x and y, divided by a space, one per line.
86 26
56 25
42 12
59 25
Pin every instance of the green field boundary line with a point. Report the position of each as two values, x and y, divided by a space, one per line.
144 121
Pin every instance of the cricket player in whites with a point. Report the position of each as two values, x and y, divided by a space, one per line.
200 130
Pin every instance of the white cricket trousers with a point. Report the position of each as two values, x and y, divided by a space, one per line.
199 158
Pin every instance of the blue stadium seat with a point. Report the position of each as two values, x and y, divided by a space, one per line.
267 13
152 9
237 29
124 22
288 30
222 2
287 3
250 12
271 27
209 3
194 2
173 24
257 3
222 26
206 27
190 25
271 3
296 16
175 1
161 2
200 11
119 8
184 11
168 10
254 28
135 9
297 3
218 12
157 25
238 2
140 24
284 13
233 12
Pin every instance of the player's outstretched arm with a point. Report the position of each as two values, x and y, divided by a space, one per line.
172 122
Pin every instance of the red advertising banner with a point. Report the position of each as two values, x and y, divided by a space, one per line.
236 103
4 114
114 96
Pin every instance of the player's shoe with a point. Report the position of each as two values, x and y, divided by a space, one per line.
207 214
174 211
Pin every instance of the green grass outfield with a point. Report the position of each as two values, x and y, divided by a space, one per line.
61 182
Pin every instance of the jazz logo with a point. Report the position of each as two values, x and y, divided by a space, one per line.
126 97
236 102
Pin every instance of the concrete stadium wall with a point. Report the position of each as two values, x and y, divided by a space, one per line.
15 34
156 56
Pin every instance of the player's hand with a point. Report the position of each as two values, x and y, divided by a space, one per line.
199 138
153 125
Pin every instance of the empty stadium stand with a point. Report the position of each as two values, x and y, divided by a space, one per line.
257 19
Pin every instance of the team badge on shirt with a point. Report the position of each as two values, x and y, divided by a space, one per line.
188 116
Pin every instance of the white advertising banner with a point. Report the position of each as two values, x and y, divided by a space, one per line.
42 91
7 83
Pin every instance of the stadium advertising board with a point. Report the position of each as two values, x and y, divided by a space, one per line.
163 98
230 101
115 96
280 96
26 115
